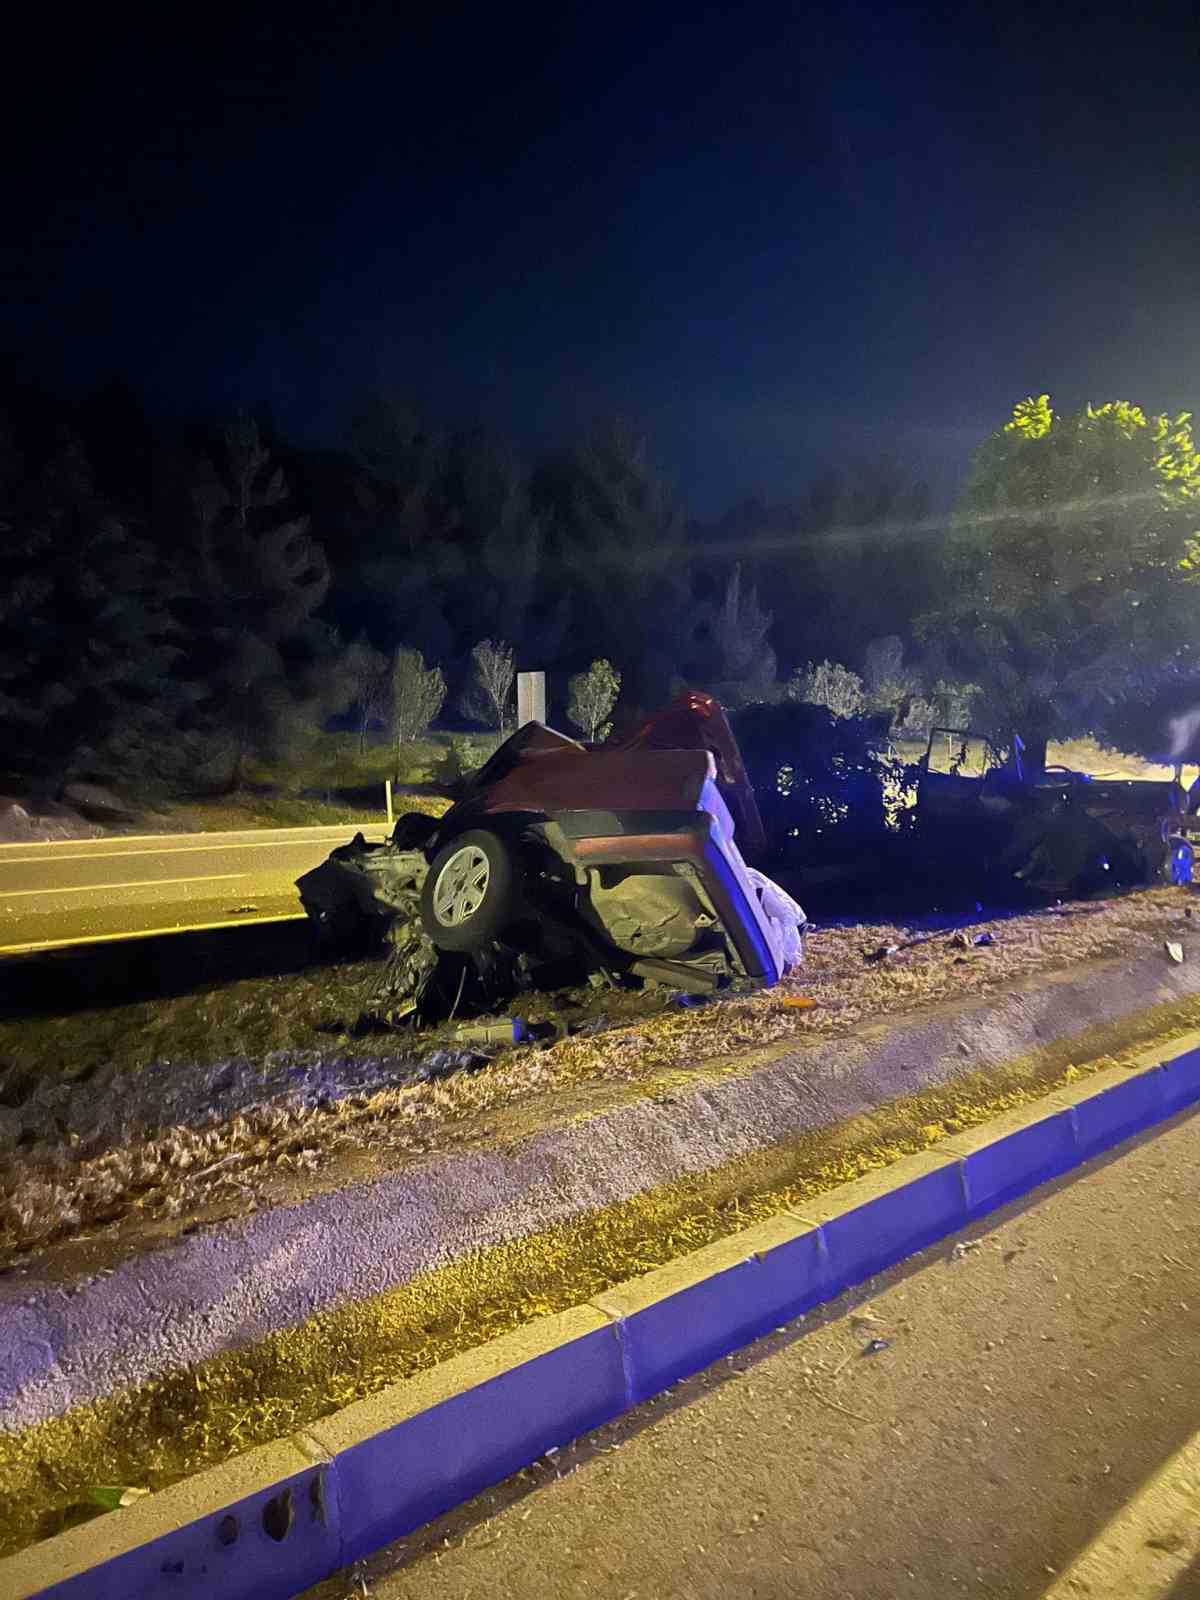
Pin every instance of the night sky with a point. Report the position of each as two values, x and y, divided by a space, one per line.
774 236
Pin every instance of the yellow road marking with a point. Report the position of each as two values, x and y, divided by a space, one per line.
1150 1543
141 883
175 849
146 933
208 833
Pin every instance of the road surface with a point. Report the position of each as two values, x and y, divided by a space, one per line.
1028 1385
76 891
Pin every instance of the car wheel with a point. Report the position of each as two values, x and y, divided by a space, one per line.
470 894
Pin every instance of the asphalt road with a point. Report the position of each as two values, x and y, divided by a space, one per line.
1034 1374
87 891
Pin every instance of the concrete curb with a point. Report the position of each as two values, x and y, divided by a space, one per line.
280 1518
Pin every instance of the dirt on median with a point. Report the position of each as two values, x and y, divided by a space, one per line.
134 1121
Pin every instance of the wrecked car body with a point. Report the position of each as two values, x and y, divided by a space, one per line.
851 824
1053 831
620 861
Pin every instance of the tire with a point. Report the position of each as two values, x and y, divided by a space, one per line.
471 892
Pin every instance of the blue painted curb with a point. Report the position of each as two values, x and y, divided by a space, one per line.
783 1273
927 1201
393 1481
1004 1168
384 1478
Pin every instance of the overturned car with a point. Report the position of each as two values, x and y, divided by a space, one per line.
559 858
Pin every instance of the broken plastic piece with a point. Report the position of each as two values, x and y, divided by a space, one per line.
500 1030
884 951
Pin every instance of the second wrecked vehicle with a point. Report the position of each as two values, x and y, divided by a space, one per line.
1055 831
558 857
855 825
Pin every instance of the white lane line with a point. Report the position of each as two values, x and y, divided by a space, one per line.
143 883
146 933
1150 1543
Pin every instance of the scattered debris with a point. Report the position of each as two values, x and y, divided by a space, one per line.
160 1090
240 911
1171 1543
883 952
964 1247
1174 950
496 1030
833 1405
874 1346
114 1496
865 1317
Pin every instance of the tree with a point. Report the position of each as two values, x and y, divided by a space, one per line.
617 549
593 695
488 698
368 674
267 668
952 703
500 540
403 572
1068 595
829 684
891 687
418 694
87 639
742 670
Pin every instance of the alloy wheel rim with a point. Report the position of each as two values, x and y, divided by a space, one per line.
461 886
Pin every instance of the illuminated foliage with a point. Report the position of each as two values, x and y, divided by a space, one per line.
488 696
1031 418
828 684
1068 560
418 694
593 694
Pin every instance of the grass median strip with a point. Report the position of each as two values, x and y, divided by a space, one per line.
175 1425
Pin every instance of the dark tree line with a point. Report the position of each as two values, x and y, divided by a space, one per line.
175 604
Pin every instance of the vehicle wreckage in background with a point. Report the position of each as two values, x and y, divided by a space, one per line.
1055 830
851 825
559 860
